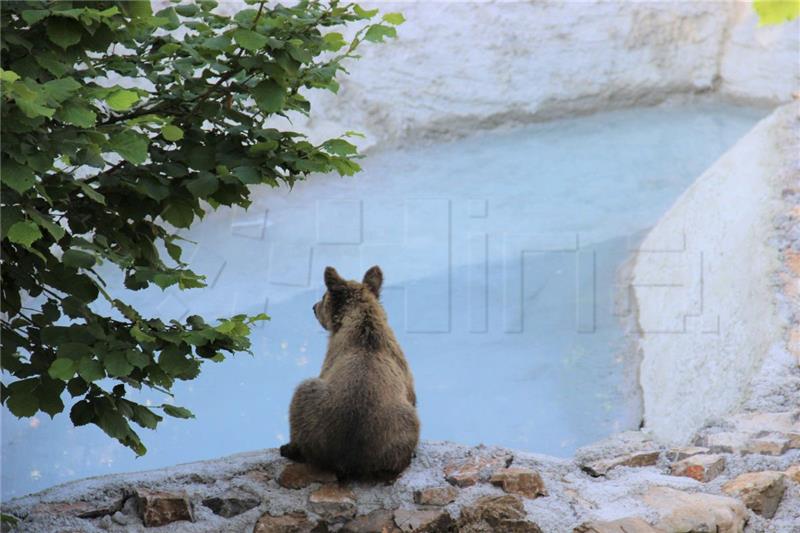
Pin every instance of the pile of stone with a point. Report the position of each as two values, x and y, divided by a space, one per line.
626 484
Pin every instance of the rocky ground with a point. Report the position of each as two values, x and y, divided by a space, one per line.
744 476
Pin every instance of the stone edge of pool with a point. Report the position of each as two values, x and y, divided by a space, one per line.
734 466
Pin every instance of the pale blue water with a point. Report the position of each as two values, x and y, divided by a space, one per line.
500 255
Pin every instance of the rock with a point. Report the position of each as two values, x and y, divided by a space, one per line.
724 442
793 473
760 491
122 519
785 422
435 495
678 454
79 509
522 481
379 521
230 506
695 512
631 524
702 467
287 523
757 433
421 520
496 513
259 476
767 444
474 469
301 475
636 459
333 502
158 508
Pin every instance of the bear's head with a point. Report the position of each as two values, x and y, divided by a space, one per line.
344 297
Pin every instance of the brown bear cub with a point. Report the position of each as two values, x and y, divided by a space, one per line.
359 418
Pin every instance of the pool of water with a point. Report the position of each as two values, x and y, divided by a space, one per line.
500 255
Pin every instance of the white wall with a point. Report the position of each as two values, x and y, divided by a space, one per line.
703 283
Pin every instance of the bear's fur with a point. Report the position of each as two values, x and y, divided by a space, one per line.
359 418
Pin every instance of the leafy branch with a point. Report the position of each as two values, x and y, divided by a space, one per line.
96 173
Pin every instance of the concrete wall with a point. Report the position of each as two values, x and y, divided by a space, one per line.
703 282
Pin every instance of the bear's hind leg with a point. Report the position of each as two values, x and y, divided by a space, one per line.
402 437
305 414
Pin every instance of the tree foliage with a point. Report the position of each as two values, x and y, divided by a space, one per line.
119 127
776 11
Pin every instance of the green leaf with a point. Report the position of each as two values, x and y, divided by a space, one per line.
363 13
247 175
122 100
334 41
140 335
204 185
177 412
91 369
33 109
377 32
62 368
220 42
63 31
249 40
145 417
110 421
23 405
776 11
74 350
394 18
78 259
269 96
52 228
18 177
8 75
339 147
171 133
53 63
137 358
91 193
130 145
174 251
82 413
186 10
207 5
60 90
174 361
8 217
77 114
117 364
32 16
137 8
179 214
49 393
24 233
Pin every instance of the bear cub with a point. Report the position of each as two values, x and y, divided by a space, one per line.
358 418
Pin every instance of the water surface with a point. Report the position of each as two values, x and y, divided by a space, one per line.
500 254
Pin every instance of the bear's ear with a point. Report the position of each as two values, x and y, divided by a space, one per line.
333 281
374 279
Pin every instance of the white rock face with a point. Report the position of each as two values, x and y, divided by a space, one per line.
760 62
460 67
703 283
